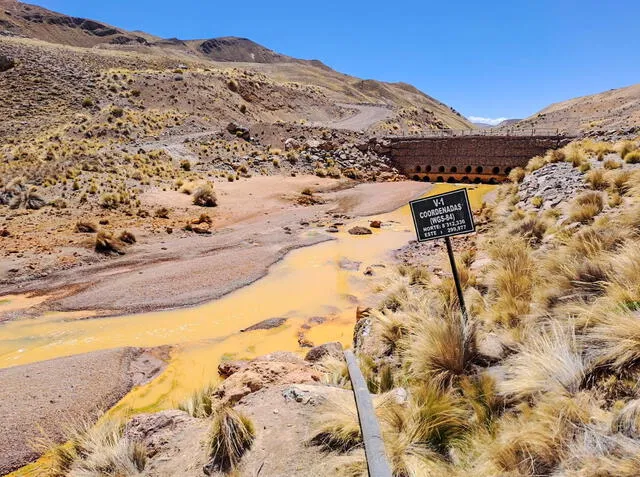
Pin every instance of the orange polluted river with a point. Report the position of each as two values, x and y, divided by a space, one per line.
308 282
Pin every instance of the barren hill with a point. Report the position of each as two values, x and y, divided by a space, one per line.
72 52
616 110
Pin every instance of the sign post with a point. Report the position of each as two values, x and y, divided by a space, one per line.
443 216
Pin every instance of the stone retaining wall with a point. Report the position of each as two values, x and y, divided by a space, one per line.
468 158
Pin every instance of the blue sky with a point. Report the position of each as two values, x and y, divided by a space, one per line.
501 59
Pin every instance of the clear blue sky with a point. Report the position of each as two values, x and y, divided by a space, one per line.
505 58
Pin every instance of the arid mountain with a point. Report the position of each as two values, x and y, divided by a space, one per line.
228 79
615 111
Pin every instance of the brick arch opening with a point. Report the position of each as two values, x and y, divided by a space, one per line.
479 169
451 180
496 170
441 169
468 169
477 180
493 181
416 178
507 170
418 169
440 179
425 178
427 169
465 180
453 169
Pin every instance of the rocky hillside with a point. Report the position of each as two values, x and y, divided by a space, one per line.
308 90
612 114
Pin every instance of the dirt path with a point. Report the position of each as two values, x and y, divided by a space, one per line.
364 117
41 398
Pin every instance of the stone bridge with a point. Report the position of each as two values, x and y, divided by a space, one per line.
471 158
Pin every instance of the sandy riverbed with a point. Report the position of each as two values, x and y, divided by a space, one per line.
256 224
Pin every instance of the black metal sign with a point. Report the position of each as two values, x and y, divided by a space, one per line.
442 215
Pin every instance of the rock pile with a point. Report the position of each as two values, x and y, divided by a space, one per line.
552 183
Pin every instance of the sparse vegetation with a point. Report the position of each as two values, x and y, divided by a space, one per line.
85 227
230 436
205 196
586 206
107 244
559 379
95 450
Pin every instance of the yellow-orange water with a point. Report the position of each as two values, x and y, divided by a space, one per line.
308 282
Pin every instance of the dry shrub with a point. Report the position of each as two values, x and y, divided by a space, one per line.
611 164
531 229
615 200
625 147
439 349
162 213
555 155
481 393
419 433
517 175
17 194
205 196
537 441
417 275
597 148
127 237
512 276
620 180
627 420
97 451
109 245
596 179
335 372
624 281
85 227
535 163
613 341
200 403
548 361
337 427
572 276
594 452
230 436
592 241
632 157
585 207
575 155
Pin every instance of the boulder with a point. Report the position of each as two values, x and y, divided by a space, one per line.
263 372
156 430
375 224
227 368
266 324
328 349
360 231
6 63
239 131
291 143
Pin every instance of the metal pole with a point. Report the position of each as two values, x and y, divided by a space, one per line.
456 279
371 434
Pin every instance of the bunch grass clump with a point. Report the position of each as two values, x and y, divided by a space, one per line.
230 436
205 196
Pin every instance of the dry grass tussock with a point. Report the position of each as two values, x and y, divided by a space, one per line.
200 403
94 451
543 378
230 436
